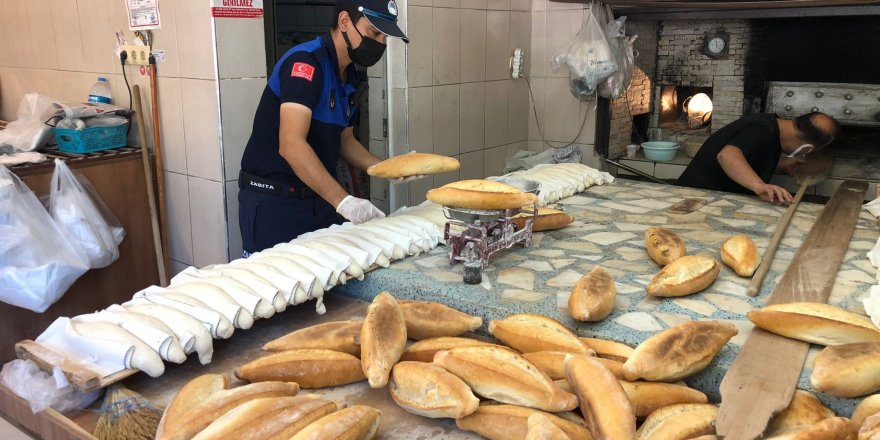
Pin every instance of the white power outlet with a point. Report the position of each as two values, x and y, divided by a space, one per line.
516 63
138 55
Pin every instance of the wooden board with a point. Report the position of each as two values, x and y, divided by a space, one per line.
77 374
763 377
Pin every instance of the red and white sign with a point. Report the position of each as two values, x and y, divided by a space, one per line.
237 8
302 70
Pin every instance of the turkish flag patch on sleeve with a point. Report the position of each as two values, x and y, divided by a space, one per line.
302 70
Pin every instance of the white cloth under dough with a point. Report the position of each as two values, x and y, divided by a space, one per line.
102 357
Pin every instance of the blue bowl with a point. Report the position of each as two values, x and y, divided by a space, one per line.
660 151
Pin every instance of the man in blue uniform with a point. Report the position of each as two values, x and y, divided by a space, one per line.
303 126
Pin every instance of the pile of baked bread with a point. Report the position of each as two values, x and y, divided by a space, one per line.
537 380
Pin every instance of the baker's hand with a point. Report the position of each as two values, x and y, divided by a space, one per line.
788 165
358 210
399 180
773 194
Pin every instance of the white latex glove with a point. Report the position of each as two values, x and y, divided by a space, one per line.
399 180
358 210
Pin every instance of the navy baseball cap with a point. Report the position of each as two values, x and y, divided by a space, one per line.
380 13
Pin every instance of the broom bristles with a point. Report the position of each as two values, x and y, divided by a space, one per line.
126 415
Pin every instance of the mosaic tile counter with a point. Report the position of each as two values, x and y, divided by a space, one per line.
609 231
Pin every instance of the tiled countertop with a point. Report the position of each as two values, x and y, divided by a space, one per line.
609 230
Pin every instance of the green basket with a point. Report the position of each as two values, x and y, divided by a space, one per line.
91 139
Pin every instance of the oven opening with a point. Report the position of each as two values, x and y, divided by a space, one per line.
684 108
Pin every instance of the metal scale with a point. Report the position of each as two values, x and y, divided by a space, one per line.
474 235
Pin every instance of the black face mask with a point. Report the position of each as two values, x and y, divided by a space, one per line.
368 53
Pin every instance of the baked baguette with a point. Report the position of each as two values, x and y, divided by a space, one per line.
358 422
425 320
866 408
430 391
273 418
602 400
413 164
221 402
741 254
549 362
679 422
678 352
511 422
480 194
870 429
341 336
546 220
424 350
616 368
816 323
309 367
529 333
834 428
503 375
604 348
542 428
383 337
804 410
848 370
664 246
592 297
684 276
191 395
647 397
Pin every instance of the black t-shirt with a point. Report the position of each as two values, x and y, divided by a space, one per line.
756 135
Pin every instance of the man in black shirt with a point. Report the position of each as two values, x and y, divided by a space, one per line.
742 156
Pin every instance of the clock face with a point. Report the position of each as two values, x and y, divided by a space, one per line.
716 45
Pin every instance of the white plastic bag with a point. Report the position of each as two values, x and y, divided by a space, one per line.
38 262
622 46
30 132
42 390
84 216
589 57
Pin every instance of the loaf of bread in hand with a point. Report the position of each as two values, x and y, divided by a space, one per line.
341 336
430 391
528 333
425 320
383 338
804 410
664 246
647 397
546 220
602 400
413 164
848 370
309 367
678 352
609 349
424 350
358 422
816 323
592 297
684 276
542 428
507 422
679 422
191 395
741 254
505 376
480 194
269 418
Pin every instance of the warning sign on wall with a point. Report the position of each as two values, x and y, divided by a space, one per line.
237 8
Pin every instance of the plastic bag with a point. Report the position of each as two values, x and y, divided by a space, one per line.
38 262
29 132
524 160
42 390
589 57
84 216
622 46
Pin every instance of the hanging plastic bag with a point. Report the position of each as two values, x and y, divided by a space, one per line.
29 132
42 390
589 57
38 261
622 47
79 210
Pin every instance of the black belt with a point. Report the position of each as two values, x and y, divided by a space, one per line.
268 186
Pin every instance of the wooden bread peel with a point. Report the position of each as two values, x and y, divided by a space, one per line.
751 393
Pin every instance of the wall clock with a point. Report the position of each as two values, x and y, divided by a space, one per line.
716 45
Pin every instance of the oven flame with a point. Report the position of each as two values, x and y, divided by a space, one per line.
699 109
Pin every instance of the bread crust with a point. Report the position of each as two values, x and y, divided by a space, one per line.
424 350
480 194
816 323
426 320
834 428
508 422
191 395
684 276
529 333
430 391
383 338
848 370
542 428
741 254
804 409
548 219
358 422
341 336
604 348
647 397
505 376
678 352
866 408
309 367
679 422
272 418
592 297
664 246
604 403
413 164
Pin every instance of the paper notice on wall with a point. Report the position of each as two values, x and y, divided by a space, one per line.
237 8
143 14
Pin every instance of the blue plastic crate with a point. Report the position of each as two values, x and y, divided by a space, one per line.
91 139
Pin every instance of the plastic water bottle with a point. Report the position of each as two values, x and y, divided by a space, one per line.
100 92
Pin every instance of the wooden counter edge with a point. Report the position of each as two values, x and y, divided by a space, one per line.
48 424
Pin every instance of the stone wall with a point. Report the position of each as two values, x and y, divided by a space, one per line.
638 98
